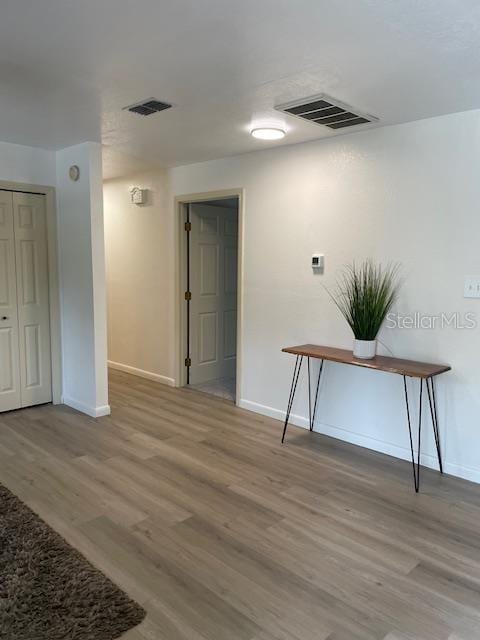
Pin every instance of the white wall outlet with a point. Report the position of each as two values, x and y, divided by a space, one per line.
472 287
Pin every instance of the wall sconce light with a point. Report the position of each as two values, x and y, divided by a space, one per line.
137 195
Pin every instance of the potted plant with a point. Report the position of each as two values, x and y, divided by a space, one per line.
364 295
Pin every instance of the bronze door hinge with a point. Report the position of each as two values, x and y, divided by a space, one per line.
188 226
188 295
188 362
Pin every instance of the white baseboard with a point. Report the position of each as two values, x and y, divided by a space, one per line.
94 412
102 411
460 471
141 373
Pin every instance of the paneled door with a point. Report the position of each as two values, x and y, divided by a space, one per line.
10 396
213 285
30 231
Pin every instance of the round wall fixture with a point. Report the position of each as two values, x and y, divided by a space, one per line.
268 133
74 172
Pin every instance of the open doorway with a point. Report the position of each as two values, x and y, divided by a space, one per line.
211 295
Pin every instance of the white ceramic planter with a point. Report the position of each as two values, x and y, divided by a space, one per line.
365 349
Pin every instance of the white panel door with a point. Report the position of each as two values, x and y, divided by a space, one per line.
213 284
10 397
31 257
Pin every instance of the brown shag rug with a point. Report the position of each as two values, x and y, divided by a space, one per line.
48 590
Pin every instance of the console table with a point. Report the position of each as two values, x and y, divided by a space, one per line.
405 368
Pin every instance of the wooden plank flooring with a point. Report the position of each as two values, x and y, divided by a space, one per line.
194 508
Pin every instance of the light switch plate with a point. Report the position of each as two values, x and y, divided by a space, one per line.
472 287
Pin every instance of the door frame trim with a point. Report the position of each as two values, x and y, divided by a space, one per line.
53 277
180 203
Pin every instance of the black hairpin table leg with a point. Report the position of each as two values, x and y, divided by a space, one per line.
415 466
436 432
310 414
293 388
433 412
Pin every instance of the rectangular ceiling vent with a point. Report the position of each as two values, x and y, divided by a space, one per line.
147 107
326 111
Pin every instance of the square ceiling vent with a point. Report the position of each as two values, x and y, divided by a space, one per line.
326 111
148 107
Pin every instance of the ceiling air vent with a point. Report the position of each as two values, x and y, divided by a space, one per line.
147 107
326 111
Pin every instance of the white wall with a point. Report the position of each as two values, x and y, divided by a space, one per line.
139 257
82 276
27 164
81 262
408 193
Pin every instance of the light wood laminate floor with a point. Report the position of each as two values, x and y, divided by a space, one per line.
195 509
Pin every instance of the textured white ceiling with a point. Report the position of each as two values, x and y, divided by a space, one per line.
67 69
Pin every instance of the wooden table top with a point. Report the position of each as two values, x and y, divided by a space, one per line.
409 368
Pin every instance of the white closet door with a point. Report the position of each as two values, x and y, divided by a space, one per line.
10 397
213 283
30 230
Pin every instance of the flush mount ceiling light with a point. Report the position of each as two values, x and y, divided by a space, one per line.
268 133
